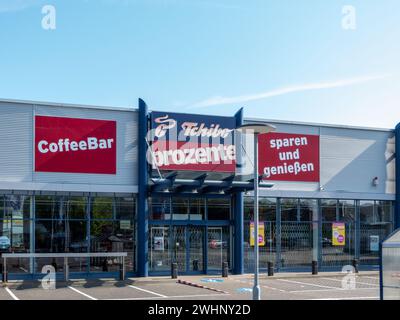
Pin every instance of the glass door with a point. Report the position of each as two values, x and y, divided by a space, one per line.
179 245
160 256
214 246
195 235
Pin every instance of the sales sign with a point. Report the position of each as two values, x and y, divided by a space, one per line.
289 157
192 142
72 145
338 234
261 234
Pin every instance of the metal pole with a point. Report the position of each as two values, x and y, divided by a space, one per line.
256 288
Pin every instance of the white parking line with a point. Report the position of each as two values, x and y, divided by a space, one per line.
348 298
148 291
375 278
357 282
328 290
168 297
272 288
82 293
11 294
307 284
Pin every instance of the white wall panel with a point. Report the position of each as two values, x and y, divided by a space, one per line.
15 142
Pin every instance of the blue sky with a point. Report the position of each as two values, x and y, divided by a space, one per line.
280 59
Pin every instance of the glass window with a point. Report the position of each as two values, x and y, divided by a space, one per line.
218 209
248 208
125 208
328 209
384 211
16 235
197 209
102 208
367 211
160 208
75 207
266 209
50 236
308 209
347 210
100 234
76 238
17 207
289 209
47 207
180 208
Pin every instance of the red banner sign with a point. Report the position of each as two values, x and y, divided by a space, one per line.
289 157
73 145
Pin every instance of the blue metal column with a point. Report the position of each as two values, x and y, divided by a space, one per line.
143 209
238 205
397 205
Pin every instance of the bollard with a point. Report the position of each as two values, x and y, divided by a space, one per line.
355 265
270 268
105 265
314 267
195 265
54 264
174 270
225 269
66 270
121 272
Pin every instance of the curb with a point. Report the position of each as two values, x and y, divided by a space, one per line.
192 284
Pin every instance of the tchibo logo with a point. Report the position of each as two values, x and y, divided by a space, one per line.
190 129
165 125
71 145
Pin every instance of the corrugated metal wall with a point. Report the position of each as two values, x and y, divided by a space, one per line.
16 158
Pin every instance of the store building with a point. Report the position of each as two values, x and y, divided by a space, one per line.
171 187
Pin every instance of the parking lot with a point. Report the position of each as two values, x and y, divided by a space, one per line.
325 286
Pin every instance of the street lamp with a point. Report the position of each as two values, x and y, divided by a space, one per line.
256 129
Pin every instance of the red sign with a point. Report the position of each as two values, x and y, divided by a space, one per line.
72 145
289 157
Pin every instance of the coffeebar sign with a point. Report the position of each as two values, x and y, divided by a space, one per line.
289 157
71 145
192 142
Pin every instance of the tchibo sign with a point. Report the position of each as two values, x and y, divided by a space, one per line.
289 157
192 142
72 145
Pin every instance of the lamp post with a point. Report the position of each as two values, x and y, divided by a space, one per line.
256 129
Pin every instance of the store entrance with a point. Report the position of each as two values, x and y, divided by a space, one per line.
188 248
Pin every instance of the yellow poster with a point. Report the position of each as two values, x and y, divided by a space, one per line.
338 234
261 237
